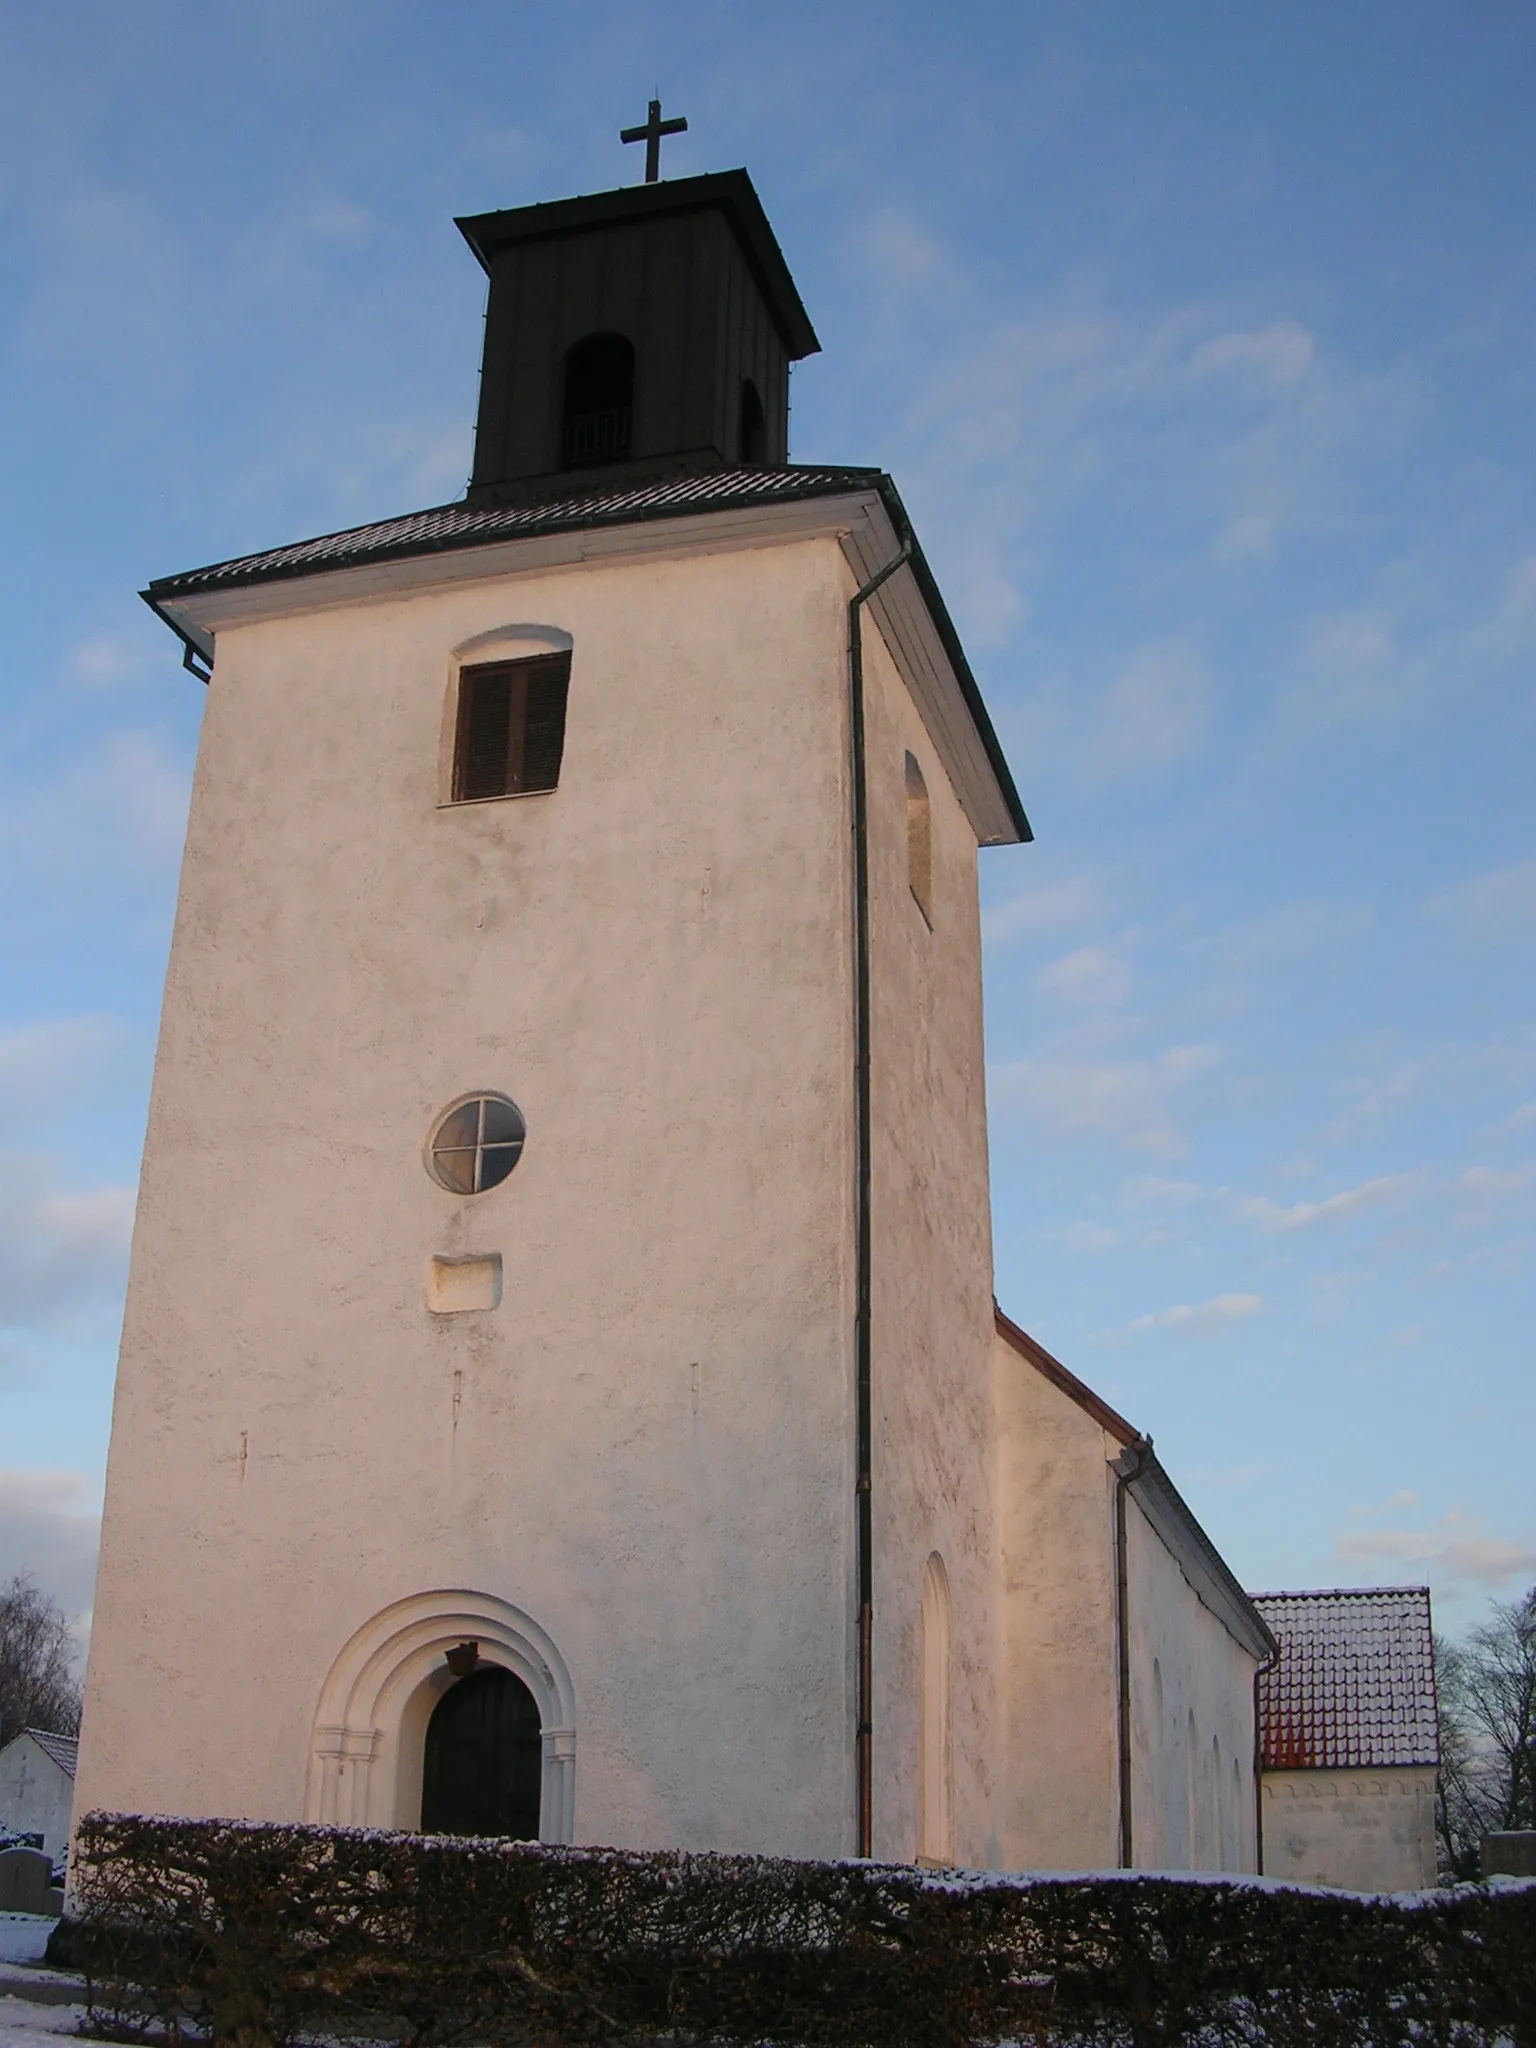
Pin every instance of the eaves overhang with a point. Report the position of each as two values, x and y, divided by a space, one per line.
687 515
1205 1569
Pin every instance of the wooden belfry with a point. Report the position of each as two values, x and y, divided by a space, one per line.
632 336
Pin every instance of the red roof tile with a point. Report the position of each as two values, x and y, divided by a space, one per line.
1355 1684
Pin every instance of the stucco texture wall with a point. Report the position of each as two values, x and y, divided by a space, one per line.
1363 1830
1193 1803
1057 1801
648 1446
932 1288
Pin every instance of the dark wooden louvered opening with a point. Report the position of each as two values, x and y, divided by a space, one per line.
599 401
511 729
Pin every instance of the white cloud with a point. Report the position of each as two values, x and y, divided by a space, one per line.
1405 1497
62 1255
1230 435
117 290
1283 935
1492 1183
106 660
1206 1315
45 1066
1502 899
123 805
1127 1099
1151 716
1419 641
49 1529
1279 354
1372 1194
1455 1548
1046 907
1091 977
901 249
1141 1190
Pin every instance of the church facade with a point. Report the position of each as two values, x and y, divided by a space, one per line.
561 1392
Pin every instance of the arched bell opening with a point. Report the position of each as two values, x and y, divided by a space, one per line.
483 1760
752 439
599 401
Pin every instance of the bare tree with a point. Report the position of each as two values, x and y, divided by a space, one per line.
38 1688
1487 1688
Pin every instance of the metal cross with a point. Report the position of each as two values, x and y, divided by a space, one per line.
651 135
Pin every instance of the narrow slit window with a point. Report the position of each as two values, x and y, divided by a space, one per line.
919 839
511 727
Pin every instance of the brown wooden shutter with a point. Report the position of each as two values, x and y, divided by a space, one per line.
544 733
511 727
485 731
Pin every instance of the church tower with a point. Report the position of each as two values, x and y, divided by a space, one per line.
554 1392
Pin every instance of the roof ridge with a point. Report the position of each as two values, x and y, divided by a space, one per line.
1341 1593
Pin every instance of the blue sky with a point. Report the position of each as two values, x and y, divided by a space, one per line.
1199 339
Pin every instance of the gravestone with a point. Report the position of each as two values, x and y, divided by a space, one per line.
26 1883
1510 1855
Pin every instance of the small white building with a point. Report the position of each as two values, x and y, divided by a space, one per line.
1349 1741
37 1787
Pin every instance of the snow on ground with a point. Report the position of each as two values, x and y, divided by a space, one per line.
37 2026
23 2024
24 1936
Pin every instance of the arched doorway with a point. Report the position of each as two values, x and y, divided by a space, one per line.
484 1759
368 1743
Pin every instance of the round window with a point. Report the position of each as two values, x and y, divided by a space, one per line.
477 1144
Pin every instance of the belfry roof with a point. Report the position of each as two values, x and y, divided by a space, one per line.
446 530
1355 1684
730 193
442 528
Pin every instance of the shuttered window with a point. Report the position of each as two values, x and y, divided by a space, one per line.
511 730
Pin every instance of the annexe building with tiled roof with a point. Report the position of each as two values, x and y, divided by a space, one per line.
1349 1745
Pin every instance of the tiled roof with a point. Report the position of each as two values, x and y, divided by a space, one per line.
1355 1684
445 527
62 1748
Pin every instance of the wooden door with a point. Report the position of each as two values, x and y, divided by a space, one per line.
484 1759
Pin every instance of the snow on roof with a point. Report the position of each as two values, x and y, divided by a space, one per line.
62 1748
1355 1684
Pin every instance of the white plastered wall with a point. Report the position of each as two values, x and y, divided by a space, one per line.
932 1286
1057 1799
1364 1830
1192 1783
646 1449
35 1793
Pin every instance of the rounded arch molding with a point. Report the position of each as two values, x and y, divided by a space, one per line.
370 1725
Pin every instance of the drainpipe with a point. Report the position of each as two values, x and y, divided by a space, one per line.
863 1423
1128 1465
1261 1671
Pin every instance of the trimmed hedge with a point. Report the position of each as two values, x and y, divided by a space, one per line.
255 1935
